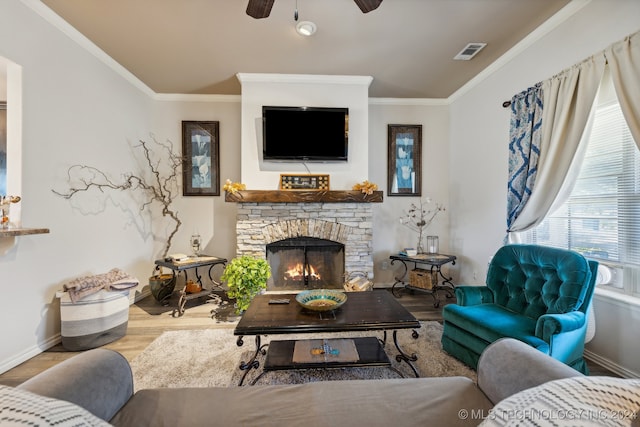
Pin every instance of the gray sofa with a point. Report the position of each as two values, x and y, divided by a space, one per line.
100 381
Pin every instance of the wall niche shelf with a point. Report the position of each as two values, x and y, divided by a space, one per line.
21 231
276 196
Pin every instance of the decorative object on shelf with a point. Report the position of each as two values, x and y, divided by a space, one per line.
192 287
366 187
321 299
404 168
246 277
419 217
201 156
161 186
195 243
432 244
5 204
233 187
304 182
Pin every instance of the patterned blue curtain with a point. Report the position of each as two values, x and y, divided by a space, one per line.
525 137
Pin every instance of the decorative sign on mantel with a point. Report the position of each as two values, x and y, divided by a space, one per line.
304 182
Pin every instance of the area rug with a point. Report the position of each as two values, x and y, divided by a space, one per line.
211 357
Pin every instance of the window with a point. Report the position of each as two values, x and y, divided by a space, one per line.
601 218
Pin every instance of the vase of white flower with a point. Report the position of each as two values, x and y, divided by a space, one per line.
418 218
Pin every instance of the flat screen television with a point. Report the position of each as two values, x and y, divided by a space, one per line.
319 134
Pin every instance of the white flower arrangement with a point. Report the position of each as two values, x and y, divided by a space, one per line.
419 216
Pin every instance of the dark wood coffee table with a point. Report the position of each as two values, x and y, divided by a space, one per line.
375 310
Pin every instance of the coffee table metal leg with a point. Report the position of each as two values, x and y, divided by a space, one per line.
402 356
253 363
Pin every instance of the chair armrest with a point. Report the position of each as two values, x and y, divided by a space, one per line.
473 295
98 380
552 324
508 366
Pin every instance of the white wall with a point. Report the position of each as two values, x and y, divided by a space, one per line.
74 109
311 91
211 217
77 110
389 236
479 145
3 79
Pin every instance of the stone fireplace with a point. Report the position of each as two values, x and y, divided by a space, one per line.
348 225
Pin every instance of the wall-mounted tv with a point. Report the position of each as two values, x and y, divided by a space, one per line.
319 134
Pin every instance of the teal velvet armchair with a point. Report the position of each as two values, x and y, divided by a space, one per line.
538 295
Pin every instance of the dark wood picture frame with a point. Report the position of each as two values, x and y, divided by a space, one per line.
201 158
404 160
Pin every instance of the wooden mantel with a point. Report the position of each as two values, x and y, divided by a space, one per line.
277 196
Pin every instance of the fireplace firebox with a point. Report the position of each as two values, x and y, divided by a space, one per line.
305 263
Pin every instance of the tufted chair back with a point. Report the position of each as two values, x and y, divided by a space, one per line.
535 280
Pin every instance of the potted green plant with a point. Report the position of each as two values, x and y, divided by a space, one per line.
246 276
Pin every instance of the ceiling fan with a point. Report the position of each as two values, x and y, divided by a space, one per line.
262 8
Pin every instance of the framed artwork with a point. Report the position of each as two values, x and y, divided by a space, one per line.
404 156
201 158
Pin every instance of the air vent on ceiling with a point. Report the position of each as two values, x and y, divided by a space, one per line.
469 51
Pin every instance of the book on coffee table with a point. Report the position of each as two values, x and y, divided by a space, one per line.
325 350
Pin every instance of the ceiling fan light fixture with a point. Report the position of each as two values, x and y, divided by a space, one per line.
306 28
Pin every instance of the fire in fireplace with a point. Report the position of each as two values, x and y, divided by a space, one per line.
305 263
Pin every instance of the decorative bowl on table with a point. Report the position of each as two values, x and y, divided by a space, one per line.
321 299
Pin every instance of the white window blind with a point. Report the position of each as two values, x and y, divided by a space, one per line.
601 218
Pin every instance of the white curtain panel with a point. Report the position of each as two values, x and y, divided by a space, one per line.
624 62
568 101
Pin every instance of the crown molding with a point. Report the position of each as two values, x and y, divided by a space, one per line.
303 78
51 17
409 101
184 97
549 25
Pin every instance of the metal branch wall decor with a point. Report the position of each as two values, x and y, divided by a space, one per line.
160 187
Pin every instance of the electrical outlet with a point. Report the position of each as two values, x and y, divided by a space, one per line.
385 265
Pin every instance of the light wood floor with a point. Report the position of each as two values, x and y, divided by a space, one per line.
148 320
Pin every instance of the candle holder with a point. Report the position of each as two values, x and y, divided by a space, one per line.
432 244
195 244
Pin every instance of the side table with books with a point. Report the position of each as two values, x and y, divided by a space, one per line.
192 263
429 280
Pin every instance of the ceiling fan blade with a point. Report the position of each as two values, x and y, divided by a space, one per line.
368 5
259 8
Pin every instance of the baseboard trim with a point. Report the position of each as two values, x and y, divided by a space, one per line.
610 365
30 353
45 345
141 295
